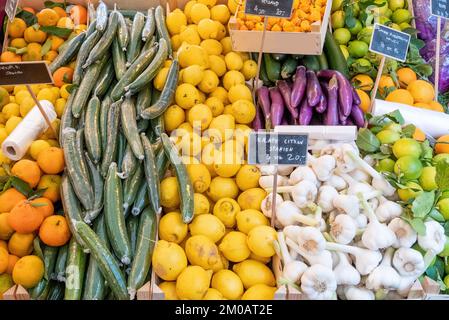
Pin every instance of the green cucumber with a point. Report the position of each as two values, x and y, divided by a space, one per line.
311 63
67 119
129 164
84 51
68 54
129 126
105 105
92 26
107 75
150 26
324 65
146 238
264 76
71 205
98 184
112 132
92 133
148 45
184 183
118 60
161 27
162 163
132 225
121 149
131 187
335 57
143 125
50 255
56 291
280 57
75 269
122 32
144 99
141 201
272 67
167 94
40 291
101 16
59 274
289 68
114 216
151 175
158 127
135 41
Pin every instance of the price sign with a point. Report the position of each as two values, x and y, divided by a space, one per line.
24 73
270 8
277 148
440 8
11 8
390 42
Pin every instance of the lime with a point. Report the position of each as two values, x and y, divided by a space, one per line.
409 193
407 147
358 49
446 268
342 35
445 252
443 207
338 19
444 195
365 34
394 126
355 9
383 20
400 16
427 179
409 167
446 280
385 165
382 6
344 50
440 157
396 4
404 25
388 13
388 136
395 26
363 63
356 29
336 5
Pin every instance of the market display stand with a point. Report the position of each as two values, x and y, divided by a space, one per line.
17 292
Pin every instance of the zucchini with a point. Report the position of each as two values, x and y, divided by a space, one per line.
112 132
56 291
151 174
71 205
67 119
122 32
146 238
105 42
98 184
84 51
118 59
311 63
105 106
323 62
184 182
101 16
161 27
114 216
129 163
167 94
264 76
141 201
105 79
135 41
150 26
92 133
335 57
132 225
68 54
132 73
129 126
75 269
142 79
144 99
59 273
280 57
131 187
108 265
272 67
289 68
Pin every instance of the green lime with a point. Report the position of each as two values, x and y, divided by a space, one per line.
355 9
407 147
444 195
446 269
388 136
440 157
384 20
400 16
445 252
396 4
342 35
409 167
404 25
395 26
409 193
385 165
446 279
363 63
336 5
344 50
443 207
358 49
394 126
427 179
365 34
338 19
388 13
382 7
356 29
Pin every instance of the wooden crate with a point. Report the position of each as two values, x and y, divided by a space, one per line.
16 292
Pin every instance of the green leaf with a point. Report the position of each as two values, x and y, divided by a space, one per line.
442 176
21 186
385 149
408 130
38 205
350 21
37 248
446 228
29 18
367 141
22 50
38 193
427 151
423 204
419 226
57 31
7 185
436 215
11 49
46 47
51 4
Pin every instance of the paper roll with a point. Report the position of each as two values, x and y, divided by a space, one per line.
435 124
29 129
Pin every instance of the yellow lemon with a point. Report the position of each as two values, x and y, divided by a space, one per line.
47 94
243 111
176 42
239 92
248 177
261 239
169 289
199 12
209 3
234 246
21 95
175 20
190 55
187 96
12 123
217 65
26 105
233 5
212 46
199 176
193 75
172 228
222 31
213 294
201 204
168 260
3 135
60 106
209 82
251 198
253 272
221 128
188 8
55 91
222 188
169 193
259 291
249 69
207 29
215 105
220 13
37 147
226 210
221 94
228 283
226 43
233 78
193 283
234 61
189 35
200 116
173 117
19 88
11 109
207 225
249 219
161 78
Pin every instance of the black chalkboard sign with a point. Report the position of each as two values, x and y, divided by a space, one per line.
24 73
270 8
11 8
440 8
390 42
277 148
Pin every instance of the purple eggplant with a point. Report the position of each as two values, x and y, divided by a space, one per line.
277 106
263 101
355 97
299 86
349 122
286 93
322 105
357 116
258 122
341 115
344 89
284 122
331 115
305 113
314 91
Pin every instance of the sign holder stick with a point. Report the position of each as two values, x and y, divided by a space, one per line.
376 84
42 111
437 57
273 201
259 59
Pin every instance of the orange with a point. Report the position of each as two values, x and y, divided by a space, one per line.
385 83
56 42
8 56
422 105
17 28
422 91
28 171
54 231
21 244
60 11
78 14
50 56
435 106
400 96
29 9
12 260
52 183
63 76
44 205
65 22
51 160
9 199
5 229
47 17
3 260
419 135
32 35
34 52
25 218
405 77
442 145
3 244
365 105
363 82
28 271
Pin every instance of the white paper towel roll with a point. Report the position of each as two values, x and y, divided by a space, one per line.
32 126
431 122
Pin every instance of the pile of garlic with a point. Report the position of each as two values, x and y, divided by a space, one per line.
341 233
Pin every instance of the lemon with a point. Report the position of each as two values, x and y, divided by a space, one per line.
215 105
3 135
199 176
199 12
213 294
249 69
202 251
259 292
217 65
173 117
233 78
55 91
221 94
26 105
212 46
248 177
242 132
260 240
226 44
190 55
19 88
228 283
208 157
251 198
37 147
243 111
4 159
175 42
193 75
260 259
202 96
234 246
190 144
168 260
193 282
222 31
64 92
60 106
234 61
170 193
189 35
35 88
209 82
227 164
188 8
228 109
187 96
53 143
28 271
249 219
21 95
253 272
220 13
201 204
12 123
207 29
161 78
222 188
6 283
169 289
233 5
244 55
209 3
207 225
239 92
226 210
200 116
10 110
222 128
175 20
172 228
47 94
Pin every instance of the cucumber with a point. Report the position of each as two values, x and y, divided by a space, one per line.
129 163
151 175
132 225
144 99
92 24
50 257
106 262
105 42
289 68
121 149
101 16
75 269
105 106
68 54
264 76
122 32
146 238
59 273
40 291
131 187
141 201
335 57
105 79
112 132
142 79
167 94
161 163
184 183
129 126
324 65
97 184
148 45
118 59
84 51
280 57
67 119
150 26
76 169
272 67
71 205
161 27
157 126
114 216
56 291
92 133
132 73
135 42
311 63
143 125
